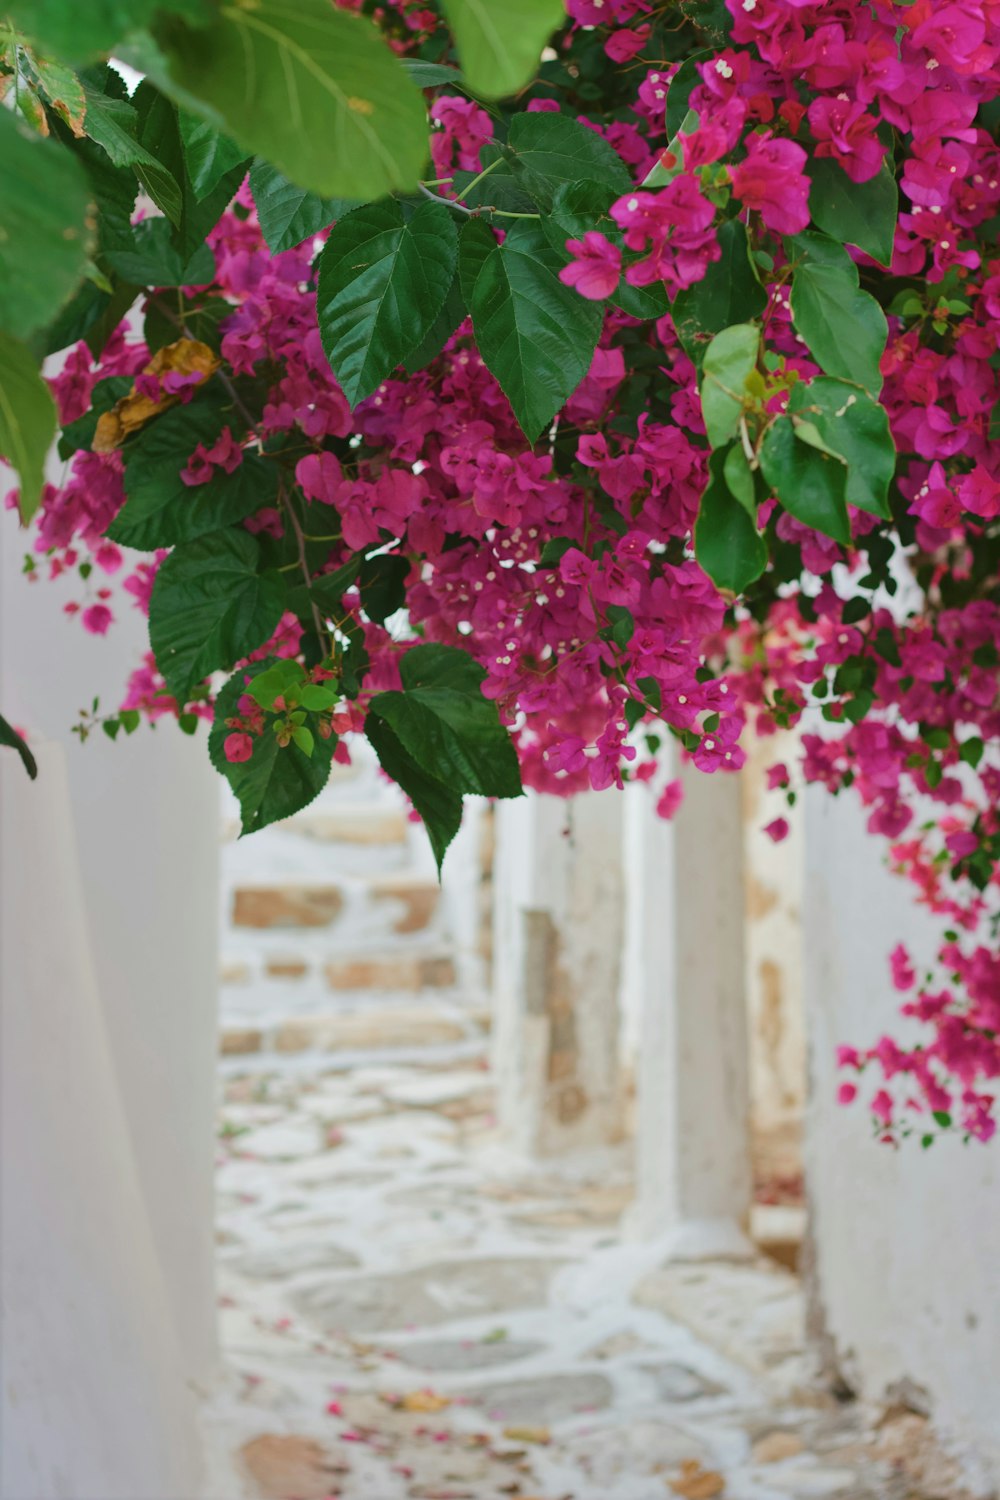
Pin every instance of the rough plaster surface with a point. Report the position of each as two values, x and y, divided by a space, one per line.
907 1269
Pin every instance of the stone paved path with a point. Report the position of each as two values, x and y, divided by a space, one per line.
406 1313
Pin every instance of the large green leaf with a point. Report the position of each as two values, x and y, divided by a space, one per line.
154 260
551 149
27 421
208 155
160 134
844 327
854 426
77 31
289 214
211 605
727 543
160 509
808 482
536 335
729 359
276 781
728 293
500 41
312 88
383 279
438 804
44 237
855 213
443 721
113 123
452 314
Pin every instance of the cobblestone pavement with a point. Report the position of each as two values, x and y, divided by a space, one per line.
407 1313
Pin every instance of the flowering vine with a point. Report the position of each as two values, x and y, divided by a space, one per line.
668 404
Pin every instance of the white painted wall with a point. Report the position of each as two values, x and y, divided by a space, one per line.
139 822
907 1242
145 816
94 1404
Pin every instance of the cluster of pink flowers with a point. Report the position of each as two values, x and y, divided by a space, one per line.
567 568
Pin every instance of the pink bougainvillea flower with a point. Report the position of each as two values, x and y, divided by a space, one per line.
96 618
596 266
238 747
903 974
772 180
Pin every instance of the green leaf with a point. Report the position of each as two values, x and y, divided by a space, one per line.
311 88
383 585
155 261
10 737
729 359
855 213
503 189
551 149
211 605
113 123
971 751
208 155
383 279
809 484
682 86
76 31
728 293
453 313
160 134
438 804
443 721
670 163
739 480
201 318
160 509
289 214
856 428
536 336
500 41
44 238
276 781
428 75
844 328
727 544
27 421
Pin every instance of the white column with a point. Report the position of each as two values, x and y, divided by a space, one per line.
905 1275
94 1399
685 906
557 966
144 814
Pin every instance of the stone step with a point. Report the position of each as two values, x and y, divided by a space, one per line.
407 972
368 823
375 1028
288 904
410 902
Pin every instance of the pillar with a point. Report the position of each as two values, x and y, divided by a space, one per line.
143 814
95 1399
557 964
685 935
